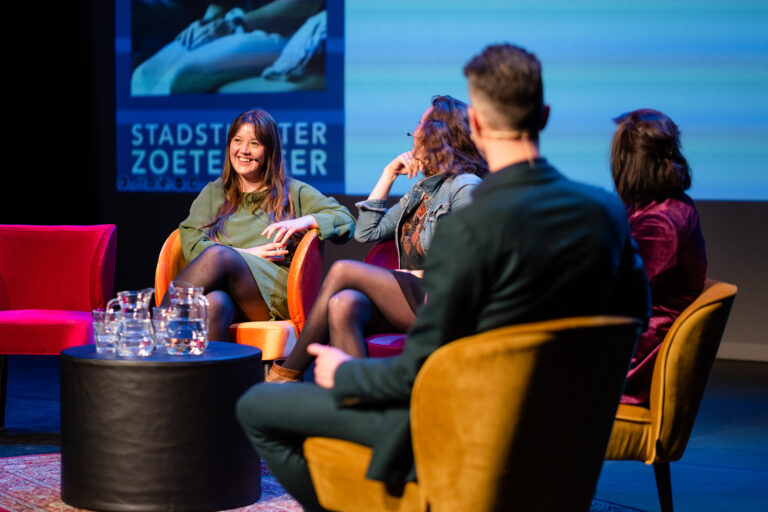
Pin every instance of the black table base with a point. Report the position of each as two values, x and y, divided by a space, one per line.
157 433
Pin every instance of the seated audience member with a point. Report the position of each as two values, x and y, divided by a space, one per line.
238 236
358 299
651 175
531 246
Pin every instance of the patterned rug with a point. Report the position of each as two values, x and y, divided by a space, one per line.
31 484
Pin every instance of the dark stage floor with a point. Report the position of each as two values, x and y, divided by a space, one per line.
725 467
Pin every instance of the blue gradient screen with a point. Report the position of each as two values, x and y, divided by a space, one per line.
703 63
377 64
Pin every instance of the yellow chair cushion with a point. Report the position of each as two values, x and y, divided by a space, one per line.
338 471
276 339
631 435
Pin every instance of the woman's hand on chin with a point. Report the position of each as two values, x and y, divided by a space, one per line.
402 164
284 230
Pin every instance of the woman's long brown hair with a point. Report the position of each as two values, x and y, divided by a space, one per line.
443 144
277 203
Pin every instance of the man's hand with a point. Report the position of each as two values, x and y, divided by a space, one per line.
328 360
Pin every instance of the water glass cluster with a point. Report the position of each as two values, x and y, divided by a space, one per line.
129 327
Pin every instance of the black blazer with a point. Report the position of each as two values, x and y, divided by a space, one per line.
532 246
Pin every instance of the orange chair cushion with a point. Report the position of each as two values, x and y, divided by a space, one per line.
275 338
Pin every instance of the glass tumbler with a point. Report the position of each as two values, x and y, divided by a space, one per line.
104 331
160 318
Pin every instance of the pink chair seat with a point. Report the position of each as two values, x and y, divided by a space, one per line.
385 345
44 331
384 254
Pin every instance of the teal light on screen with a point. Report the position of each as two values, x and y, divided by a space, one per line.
703 63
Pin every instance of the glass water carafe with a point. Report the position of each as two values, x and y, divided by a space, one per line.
130 310
188 324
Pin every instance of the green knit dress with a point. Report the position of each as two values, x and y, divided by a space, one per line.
243 229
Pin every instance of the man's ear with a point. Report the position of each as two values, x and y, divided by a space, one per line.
544 117
474 124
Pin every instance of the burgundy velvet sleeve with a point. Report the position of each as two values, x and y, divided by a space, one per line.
657 243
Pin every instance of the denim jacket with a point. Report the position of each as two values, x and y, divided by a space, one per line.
375 222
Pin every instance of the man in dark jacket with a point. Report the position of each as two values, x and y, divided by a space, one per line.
532 246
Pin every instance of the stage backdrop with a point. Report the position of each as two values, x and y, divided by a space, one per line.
185 69
346 99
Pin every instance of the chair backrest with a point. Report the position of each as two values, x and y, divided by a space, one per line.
304 274
170 262
304 277
682 368
383 254
57 267
518 418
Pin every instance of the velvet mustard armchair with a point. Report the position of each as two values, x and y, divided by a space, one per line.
276 339
658 433
51 277
516 418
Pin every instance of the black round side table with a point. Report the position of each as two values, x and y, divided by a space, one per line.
158 432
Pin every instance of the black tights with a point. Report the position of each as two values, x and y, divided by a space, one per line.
355 298
229 286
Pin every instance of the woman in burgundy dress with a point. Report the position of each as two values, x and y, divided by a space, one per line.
651 176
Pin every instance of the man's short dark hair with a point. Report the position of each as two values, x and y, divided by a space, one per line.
509 78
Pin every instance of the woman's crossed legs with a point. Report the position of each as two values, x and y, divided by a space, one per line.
354 298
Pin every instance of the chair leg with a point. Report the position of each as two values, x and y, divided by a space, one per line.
3 387
663 485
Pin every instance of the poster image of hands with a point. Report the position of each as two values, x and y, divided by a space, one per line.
185 69
227 47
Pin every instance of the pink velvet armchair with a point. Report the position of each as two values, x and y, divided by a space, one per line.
51 277
384 254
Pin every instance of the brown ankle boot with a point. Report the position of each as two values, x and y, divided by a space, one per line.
279 374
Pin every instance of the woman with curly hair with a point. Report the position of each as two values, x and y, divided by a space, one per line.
241 229
651 176
358 299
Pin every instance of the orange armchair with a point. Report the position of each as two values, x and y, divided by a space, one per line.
51 277
276 339
492 438
658 434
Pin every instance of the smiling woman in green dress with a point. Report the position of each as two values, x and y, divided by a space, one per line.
242 228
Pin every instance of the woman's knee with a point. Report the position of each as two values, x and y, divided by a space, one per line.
343 272
221 307
349 305
218 254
